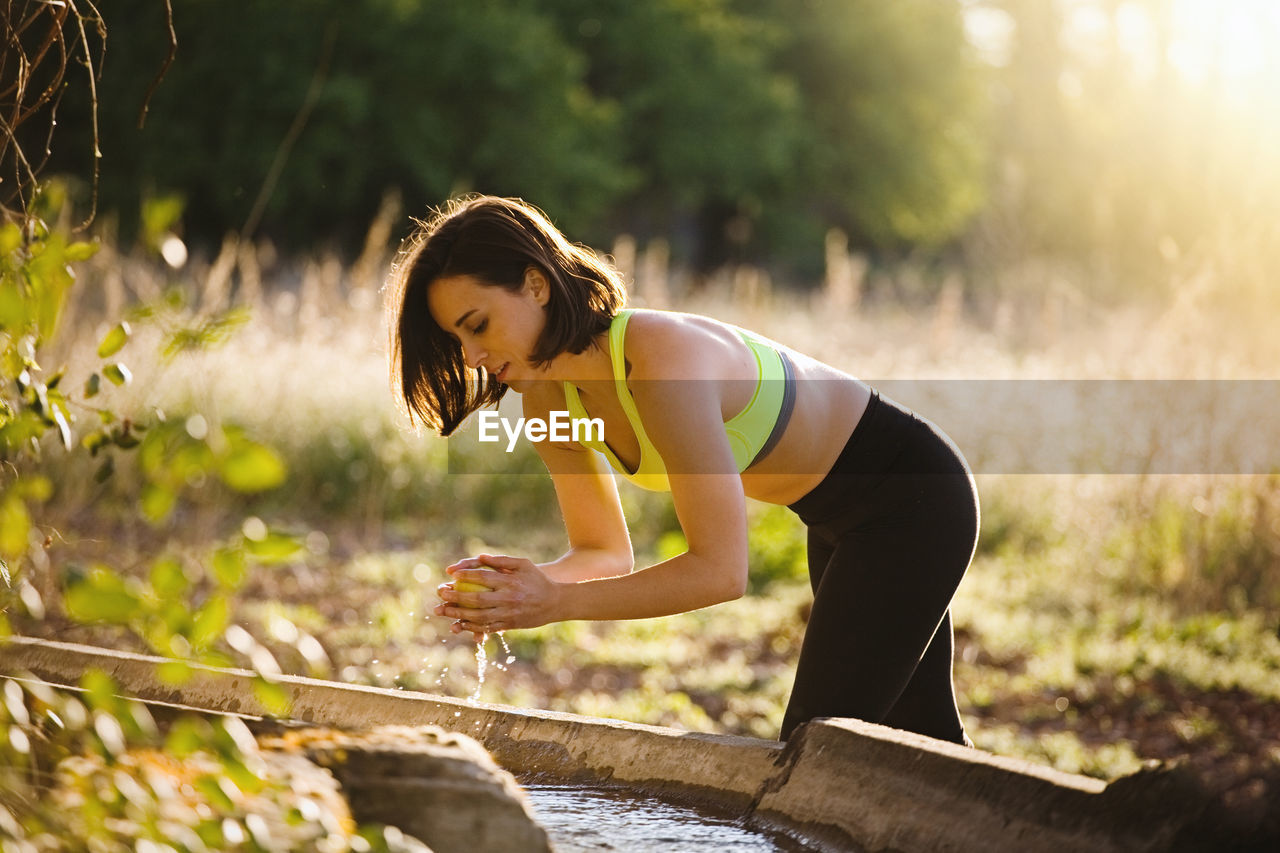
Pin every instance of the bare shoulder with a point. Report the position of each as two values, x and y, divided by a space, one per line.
672 345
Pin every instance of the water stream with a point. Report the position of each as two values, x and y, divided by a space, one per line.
589 820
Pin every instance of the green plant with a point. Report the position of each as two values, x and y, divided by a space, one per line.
83 770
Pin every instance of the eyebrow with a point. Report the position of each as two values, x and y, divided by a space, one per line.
458 322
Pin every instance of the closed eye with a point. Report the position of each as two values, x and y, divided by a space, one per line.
480 327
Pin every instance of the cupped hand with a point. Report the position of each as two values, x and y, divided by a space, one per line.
518 595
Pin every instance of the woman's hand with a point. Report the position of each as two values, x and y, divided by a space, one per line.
519 595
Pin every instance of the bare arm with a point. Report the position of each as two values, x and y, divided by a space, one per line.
599 545
684 423
683 418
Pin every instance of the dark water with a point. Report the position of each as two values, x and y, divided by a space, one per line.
587 820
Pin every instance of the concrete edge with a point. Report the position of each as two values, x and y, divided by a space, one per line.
839 784
721 772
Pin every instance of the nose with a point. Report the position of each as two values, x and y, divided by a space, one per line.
474 355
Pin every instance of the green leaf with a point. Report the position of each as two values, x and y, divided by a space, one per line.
212 791
160 215
99 690
15 312
229 566
174 673
15 525
95 441
191 461
102 596
241 776
117 373
273 696
211 620
252 467
10 238
22 431
81 251
156 502
114 340
168 579
35 487
274 547
186 736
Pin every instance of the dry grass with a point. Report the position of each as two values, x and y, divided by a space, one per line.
1141 572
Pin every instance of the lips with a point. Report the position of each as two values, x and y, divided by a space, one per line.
501 375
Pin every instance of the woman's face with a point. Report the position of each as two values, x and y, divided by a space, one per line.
498 328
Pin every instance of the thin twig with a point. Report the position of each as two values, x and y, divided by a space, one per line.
54 36
291 136
93 103
168 60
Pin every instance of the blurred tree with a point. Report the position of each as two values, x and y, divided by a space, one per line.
712 122
1112 158
351 98
709 126
892 102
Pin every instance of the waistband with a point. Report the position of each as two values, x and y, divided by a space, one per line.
889 438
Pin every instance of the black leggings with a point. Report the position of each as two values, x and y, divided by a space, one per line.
892 529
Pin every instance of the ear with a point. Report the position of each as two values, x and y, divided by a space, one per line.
537 286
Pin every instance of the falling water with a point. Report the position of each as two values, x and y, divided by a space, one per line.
482 663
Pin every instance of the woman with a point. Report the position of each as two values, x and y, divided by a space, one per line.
488 295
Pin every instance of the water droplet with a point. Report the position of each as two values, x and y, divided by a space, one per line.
482 661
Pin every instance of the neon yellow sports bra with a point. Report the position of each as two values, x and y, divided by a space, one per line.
752 432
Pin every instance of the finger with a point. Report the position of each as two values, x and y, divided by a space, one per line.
455 611
477 634
471 596
486 578
503 563
466 563
479 629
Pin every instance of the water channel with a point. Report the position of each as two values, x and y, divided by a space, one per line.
589 820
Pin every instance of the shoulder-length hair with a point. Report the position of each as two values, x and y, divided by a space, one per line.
496 240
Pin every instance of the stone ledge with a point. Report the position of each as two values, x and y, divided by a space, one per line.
839 784
440 787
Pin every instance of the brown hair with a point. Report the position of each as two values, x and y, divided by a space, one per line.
496 240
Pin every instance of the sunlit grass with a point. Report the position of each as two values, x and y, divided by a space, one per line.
1100 609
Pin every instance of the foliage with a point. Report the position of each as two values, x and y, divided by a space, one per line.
891 98
707 122
81 772
93 771
35 276
429 97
